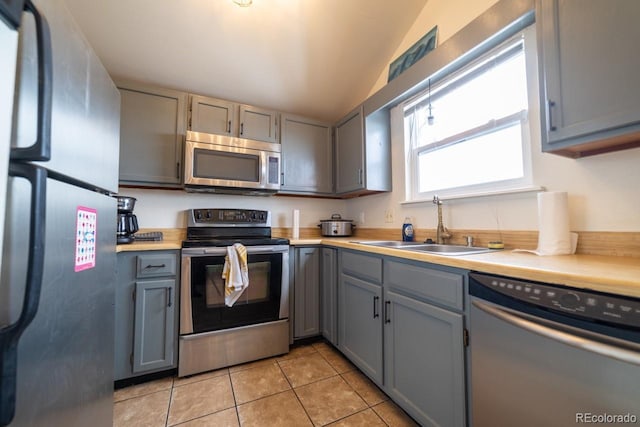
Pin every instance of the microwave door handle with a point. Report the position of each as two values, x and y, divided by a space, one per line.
40 150
10 335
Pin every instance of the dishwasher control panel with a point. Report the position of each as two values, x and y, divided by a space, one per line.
583 303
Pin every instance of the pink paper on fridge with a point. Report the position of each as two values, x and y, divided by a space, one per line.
86 226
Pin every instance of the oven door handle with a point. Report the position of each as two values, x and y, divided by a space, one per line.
222 250
589 343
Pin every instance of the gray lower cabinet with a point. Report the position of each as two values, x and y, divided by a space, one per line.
360 311
423 360
306 320
360 324
401 322
329 294
307 156
588 44
152 129
146 330
424 341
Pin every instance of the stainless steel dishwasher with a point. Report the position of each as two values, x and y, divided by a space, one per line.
545 355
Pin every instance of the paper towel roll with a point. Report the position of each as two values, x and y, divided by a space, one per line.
296 224
554 235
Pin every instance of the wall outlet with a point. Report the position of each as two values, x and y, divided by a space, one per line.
361 217
388 215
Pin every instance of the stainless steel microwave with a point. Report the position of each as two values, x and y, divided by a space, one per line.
223 164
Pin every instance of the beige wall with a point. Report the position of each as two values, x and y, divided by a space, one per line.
165 208
449 15
604 193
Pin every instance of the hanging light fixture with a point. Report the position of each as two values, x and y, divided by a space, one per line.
243 3
430 118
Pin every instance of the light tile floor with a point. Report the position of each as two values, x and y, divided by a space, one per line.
312 385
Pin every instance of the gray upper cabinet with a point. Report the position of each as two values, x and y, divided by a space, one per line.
363 153
350 153
588 75
218 116
152 128
307 152
211 115
258 123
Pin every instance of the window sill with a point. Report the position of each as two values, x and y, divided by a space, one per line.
471 195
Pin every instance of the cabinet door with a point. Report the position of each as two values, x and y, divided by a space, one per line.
258 123
307 292
152 127
329 290
307 165
153 345
588 69
424 362
124 314
360 325
350 153
211 115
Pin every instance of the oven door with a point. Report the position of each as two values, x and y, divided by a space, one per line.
203 307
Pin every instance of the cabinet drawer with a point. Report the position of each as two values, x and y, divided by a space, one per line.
156 265
441 287
362 266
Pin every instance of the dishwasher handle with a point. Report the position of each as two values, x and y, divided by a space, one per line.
581 342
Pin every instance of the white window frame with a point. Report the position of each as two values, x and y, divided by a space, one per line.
529 130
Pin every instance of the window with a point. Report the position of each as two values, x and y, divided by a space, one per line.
469 133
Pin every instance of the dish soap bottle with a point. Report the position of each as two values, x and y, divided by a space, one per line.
407 230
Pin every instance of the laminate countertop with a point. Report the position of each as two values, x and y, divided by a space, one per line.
618 275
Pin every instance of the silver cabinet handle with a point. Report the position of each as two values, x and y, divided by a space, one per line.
581 342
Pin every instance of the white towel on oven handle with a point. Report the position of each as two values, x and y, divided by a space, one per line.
235 272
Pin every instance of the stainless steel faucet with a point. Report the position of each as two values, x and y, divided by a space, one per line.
442 234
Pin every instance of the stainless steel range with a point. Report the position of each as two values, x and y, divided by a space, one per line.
212 334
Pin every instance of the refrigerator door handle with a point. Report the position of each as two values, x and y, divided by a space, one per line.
41 148
9 335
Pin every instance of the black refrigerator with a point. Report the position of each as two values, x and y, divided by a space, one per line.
59 145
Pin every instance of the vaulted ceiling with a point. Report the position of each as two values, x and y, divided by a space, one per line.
317 58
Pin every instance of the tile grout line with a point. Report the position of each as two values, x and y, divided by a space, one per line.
295 394
233 393
166 418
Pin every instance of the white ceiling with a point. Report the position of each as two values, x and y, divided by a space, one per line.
317 58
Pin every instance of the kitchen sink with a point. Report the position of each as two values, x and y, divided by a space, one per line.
390 243
450 250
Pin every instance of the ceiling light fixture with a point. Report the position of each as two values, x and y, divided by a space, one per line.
243 3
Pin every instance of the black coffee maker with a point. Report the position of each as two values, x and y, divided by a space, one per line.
127 221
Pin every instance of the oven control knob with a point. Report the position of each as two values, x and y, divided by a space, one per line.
198 215
570 300
208 215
